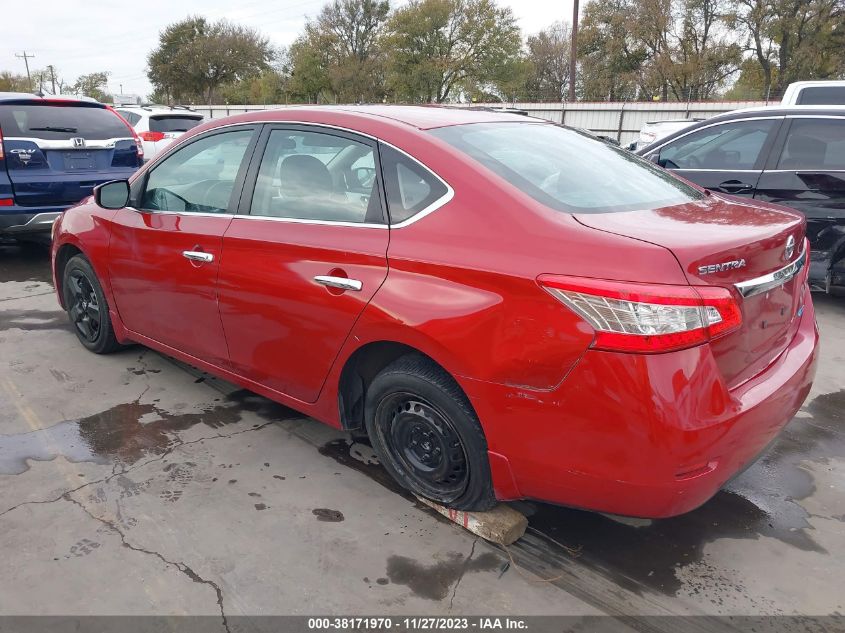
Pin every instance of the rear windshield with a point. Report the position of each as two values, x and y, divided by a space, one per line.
567 170
173 123
822 95
60 122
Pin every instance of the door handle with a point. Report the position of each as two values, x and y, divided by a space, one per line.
734 186
342 283
198 256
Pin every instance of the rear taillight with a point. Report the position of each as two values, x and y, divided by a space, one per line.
647 318
138 145
152 136
6 202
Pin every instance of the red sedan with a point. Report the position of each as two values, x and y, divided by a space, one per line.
510 308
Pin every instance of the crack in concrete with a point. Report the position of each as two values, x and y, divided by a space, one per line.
463 572
137 466
182 567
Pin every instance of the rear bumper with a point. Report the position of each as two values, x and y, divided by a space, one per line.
28 220
638 435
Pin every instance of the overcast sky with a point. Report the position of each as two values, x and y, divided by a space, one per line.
79 36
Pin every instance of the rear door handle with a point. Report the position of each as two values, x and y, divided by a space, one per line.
734 186
198 256
343 283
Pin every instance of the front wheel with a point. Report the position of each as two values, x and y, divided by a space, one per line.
426 434
87 308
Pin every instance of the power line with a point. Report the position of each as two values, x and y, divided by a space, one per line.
26 57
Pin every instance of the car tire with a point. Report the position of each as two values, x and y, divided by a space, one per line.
424 431
87 307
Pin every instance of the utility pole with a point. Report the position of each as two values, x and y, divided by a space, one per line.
26 57
53 78
573 52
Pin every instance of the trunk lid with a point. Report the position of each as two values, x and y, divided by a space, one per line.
724 241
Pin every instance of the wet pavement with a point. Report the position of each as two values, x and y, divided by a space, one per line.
174 492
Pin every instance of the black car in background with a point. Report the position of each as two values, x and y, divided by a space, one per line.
793 156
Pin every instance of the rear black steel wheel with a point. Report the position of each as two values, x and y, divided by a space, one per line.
86 306
426 434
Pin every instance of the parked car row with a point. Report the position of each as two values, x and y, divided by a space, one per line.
794 156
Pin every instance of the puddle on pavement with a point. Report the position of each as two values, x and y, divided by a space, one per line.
126 432
433 582
30 262
34 320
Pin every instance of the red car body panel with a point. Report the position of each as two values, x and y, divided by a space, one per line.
639 434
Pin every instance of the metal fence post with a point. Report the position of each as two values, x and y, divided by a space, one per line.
621 118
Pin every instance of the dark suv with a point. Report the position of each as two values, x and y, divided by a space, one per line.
789 155
53 152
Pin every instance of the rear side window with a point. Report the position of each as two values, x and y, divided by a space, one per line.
173 123
726 146
61 122
567 170
318 177
410 187
129 116
828 95
814 144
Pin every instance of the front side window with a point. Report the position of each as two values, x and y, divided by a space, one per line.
198 178
567 170
814 144
317 176
727 146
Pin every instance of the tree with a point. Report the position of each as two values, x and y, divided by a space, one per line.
339 55
610 55
92 85
436 45
677 49
11 82
792 39
195 57
548 52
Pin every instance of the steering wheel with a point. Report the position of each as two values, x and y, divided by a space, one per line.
162 200
693 162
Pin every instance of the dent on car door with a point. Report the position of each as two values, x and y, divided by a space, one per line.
726 157
303 258
807 172
165 249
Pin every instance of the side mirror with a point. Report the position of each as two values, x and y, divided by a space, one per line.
654 158
112 195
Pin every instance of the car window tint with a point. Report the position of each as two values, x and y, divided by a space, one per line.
814 144
727 146
317 176
410 187
822 95
61 122
173 123
567 170
132 117
199 177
